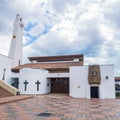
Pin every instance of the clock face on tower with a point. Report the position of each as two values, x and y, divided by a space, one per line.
14 36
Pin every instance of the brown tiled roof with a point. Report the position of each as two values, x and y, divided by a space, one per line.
57 58
48 66
117 78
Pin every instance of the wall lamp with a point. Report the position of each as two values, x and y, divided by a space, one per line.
106 77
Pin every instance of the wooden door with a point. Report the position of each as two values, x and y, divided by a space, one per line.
60 85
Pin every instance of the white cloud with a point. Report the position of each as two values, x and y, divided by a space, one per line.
90 27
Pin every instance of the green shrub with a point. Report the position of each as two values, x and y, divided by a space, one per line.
117 94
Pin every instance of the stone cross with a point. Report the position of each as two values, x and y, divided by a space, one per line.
25 84
37 85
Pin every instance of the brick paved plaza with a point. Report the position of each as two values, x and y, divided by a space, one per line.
60 107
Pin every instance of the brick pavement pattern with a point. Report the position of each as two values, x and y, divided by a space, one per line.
4 100
59 107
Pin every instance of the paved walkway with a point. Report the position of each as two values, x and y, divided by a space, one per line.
14 98
60 107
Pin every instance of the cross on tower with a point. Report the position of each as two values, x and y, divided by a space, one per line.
38 84
26 84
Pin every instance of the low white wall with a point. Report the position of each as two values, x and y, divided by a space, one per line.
5 62
32 76
117 82
14 75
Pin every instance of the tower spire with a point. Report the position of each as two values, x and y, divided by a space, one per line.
15 51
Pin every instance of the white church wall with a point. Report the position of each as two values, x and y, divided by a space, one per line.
107 86
32 76
6 63
79 82
80 88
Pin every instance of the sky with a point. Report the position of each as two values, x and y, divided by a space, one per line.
60 27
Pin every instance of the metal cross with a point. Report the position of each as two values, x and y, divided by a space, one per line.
25 85
38 84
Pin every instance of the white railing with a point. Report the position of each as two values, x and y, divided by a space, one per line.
15 75
58 75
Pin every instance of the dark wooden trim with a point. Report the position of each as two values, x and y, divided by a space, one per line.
56 58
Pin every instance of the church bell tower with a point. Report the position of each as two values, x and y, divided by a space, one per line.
16 50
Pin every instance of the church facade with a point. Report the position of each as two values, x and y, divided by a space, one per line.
66 74
55 74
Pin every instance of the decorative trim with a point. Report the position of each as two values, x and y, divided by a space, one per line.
94 76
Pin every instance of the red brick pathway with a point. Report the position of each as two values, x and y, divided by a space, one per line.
61 108
4 100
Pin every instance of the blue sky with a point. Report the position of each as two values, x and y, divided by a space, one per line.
57 27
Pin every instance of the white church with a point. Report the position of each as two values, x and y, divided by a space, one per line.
54 74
